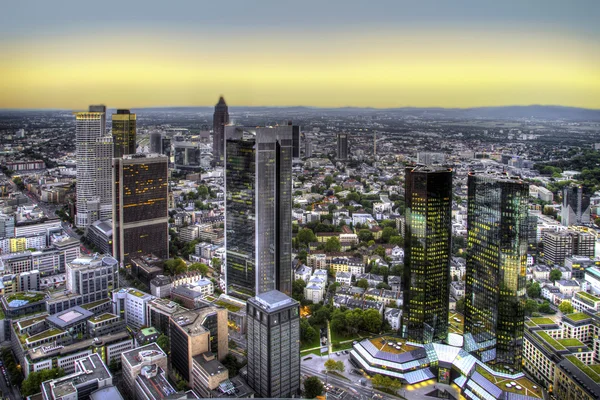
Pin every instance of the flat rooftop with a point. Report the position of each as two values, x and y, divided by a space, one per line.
70 316
273 300
135 357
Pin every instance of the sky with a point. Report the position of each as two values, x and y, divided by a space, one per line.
327 53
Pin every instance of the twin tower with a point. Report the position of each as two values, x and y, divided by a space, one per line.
497 223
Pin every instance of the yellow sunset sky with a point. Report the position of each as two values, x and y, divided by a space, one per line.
347 65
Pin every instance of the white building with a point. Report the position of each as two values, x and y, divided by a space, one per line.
343 278
392 316
94 153
130 304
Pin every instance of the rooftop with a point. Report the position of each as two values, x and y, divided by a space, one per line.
102 317
150 351
273 300
577 317
591 371
70 316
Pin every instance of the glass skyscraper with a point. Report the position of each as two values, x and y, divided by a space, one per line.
497 224
124 132
258 207
140 207
428 227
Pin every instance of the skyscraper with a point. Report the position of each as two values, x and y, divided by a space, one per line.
273 345
342 146
576 206
496 268
124 132
258 207
428 226
156 142
295 140
140 209
94 153
220 119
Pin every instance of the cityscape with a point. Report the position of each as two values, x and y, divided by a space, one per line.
301 228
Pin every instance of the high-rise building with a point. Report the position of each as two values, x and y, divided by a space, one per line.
496 269
576 206
560 245
130 305
428 249
308 148
295 140
94 153
123 132
140 209
166 147
342 146
273 345
258 207
156 142
220 119
137 361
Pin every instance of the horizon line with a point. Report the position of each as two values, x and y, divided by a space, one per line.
310 107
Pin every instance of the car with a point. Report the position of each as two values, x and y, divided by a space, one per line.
337 353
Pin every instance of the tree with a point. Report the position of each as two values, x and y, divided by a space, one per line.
545 308
175 266
313 387
306 236
182 385
385 382
202 191
383 285
163 343
534 290
565 307
31 385
333 244
397 240
555 274
201 267
362 283
328 180
364 235
531 306
216 264
232 364
460 305
354 319
380 251
371 320
332 365
114 365
387 233
597 221
298 289
20 185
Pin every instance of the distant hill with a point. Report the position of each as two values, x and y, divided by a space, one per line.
503 113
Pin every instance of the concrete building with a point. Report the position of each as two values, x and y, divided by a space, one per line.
130 304
135 361
79 275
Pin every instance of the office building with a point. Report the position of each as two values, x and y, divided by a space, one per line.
258 207
130 305
342 146
220 119
90 375
91 277
140 209
496 269
576 206
100 234
308 148
156 142
296 142
273 345
560 245
188 156
428 250
94 153
123 133
189 338
135 361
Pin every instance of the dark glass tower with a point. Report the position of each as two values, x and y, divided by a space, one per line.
576 206
342 146
258 207
123 132
428 227
295 140
497 224
220 119
273 345
140 207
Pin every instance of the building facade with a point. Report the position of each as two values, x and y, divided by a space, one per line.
258 207
273 345
140 207
427 254
123 133
94 153
576 206
342 146
496 269
220 119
